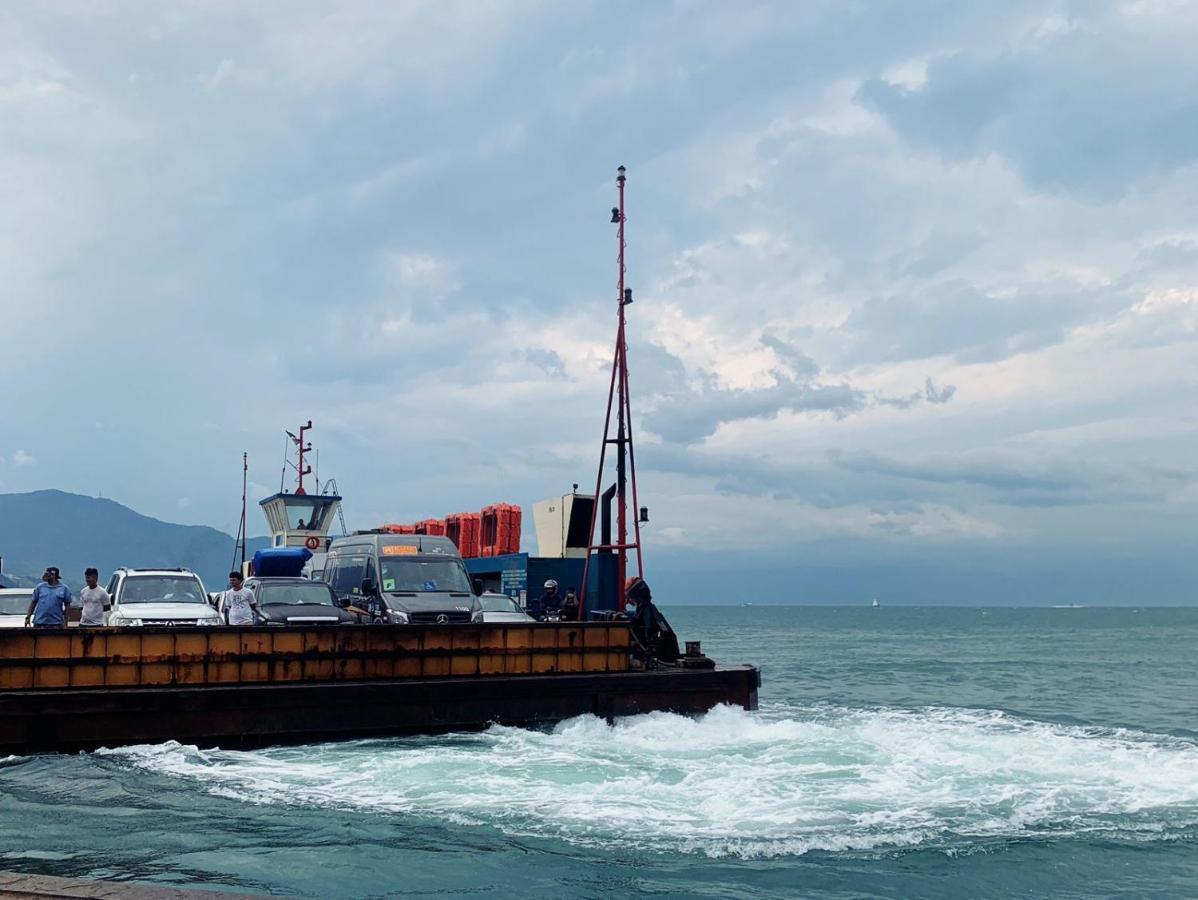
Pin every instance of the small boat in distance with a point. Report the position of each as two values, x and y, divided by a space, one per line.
875 604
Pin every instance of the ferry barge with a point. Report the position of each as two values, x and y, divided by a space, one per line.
72 689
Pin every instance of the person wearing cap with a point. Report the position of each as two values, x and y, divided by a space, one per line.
49 603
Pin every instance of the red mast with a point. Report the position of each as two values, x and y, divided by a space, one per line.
618 396
303 448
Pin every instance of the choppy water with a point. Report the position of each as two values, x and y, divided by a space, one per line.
898 752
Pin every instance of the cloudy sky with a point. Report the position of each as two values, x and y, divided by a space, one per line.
916 283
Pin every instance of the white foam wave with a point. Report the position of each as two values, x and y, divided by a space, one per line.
732 782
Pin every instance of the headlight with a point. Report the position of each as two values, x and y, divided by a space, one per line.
398 618
127 623
477 617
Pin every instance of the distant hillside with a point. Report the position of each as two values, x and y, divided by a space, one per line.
53 528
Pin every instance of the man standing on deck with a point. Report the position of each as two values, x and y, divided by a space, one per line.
95 600
48 605
238 604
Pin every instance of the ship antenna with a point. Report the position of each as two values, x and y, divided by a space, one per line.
617 396
302 449
239 541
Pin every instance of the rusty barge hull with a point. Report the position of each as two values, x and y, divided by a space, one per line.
244 716
71 689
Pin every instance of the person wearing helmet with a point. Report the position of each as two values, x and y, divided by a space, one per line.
548 605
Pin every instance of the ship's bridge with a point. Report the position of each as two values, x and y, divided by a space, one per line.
300 520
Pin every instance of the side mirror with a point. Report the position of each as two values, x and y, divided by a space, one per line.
479 588
214 600
369 588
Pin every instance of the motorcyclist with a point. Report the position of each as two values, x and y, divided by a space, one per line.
550 602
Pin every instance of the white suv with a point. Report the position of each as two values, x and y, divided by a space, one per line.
159 597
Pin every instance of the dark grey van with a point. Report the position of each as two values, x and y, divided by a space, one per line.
410 578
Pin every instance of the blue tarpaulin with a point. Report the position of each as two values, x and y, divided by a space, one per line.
281 562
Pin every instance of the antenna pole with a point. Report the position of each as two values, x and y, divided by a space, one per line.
239 541
621 433
618 395
245 470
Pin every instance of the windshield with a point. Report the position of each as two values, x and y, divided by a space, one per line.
14 604
162 589
295 594
499 603
424 575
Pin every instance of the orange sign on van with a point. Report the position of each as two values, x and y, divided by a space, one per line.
400 550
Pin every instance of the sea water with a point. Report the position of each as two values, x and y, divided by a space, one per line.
898 752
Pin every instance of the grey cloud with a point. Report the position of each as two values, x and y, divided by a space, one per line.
683 413
815 483
1026 483
955 318
942 250
930 394
963 470
1091 111
695 414
933 394
1029 480
545 360
802 365
1176 254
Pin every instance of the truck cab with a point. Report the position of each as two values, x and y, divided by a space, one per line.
412 579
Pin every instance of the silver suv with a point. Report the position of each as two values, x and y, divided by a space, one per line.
159 597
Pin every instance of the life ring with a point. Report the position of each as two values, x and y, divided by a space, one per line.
312 543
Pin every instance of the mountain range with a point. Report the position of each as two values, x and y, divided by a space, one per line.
72 531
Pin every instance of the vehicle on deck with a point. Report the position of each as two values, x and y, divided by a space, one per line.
159 597
297 601
410 578
14 602
502 608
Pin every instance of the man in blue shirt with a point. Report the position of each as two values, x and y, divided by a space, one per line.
48 606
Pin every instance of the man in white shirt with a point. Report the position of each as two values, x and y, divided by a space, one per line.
238 604
94 600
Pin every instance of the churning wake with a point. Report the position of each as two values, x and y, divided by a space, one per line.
785 781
